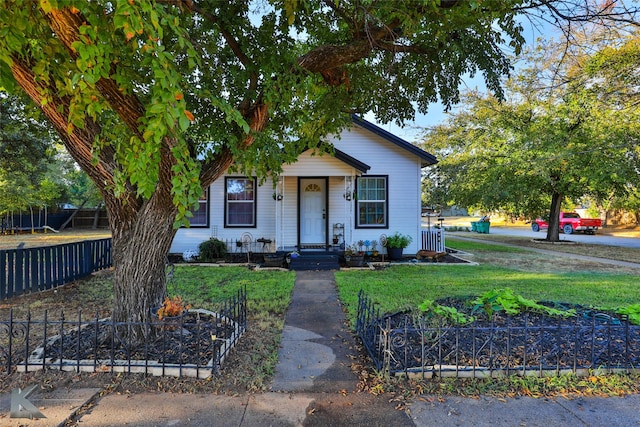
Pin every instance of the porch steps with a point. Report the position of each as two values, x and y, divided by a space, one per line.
315 261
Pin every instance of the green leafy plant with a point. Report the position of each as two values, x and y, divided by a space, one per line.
449 313
505 300
632 311
398 240
212 249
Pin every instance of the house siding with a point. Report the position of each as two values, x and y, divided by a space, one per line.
278 220
403 171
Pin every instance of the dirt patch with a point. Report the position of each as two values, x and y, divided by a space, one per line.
600 251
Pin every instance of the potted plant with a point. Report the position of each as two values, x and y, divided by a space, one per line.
354 256
396 243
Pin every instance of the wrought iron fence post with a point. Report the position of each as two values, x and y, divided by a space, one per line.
385 339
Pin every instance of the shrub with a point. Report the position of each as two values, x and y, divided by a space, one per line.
212 249
398 240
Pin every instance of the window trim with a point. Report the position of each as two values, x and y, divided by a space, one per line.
207 201
357 201
255 202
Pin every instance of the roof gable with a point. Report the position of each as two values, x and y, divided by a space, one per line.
351 161
427 158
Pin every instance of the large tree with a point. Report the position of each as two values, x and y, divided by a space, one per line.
544 144
156 99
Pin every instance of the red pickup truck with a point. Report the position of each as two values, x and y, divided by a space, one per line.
569 223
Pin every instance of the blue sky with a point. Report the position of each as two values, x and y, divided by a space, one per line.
412 130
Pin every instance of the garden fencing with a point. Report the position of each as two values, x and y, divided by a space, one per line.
25 270
192 345
426 347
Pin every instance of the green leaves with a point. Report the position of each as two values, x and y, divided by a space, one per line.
448 313
513 156
632 311
505 300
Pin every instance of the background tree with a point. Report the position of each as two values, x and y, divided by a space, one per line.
26 153
614 78
155 100
541 146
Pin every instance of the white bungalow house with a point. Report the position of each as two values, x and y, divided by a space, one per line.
369 188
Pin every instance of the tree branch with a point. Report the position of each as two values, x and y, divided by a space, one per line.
237 51
77 141
66 25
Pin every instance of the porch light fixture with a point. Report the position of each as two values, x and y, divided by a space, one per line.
347 195
277 195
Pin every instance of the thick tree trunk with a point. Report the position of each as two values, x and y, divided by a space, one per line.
553 232
140 247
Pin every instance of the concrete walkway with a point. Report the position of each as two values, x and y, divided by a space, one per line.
314 386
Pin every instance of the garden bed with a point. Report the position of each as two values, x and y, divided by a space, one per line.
193 345
526 343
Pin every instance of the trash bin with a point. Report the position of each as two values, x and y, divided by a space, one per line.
474 226
483 227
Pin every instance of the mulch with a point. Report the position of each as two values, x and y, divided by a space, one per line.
192 339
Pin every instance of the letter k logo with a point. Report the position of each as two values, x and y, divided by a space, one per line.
21 407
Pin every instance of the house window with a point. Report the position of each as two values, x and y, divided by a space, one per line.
372 207
200 216
240 202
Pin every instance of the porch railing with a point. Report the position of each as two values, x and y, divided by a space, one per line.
433 240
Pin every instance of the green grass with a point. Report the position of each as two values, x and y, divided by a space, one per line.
468 246
251 365
204 287
405 287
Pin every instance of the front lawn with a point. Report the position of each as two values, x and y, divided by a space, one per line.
405 287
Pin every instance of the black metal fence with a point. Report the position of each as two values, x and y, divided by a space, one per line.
194 344
418 345
36 269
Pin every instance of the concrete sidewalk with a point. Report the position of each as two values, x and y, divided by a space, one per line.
314 386
320 409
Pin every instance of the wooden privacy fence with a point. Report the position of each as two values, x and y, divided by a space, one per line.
26 270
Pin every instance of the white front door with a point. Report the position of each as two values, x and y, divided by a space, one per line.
313 212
